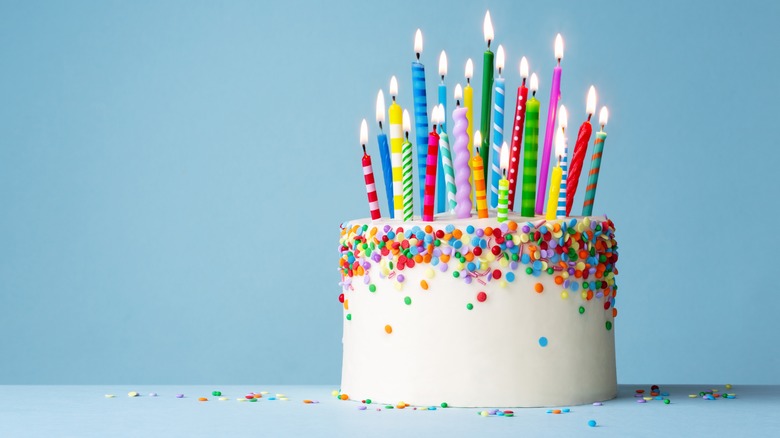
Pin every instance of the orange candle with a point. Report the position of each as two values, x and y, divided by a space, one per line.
478 171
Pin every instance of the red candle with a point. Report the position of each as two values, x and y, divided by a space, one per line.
580 150
429 198
368 174
517 133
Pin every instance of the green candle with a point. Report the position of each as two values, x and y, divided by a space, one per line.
487 92
531 151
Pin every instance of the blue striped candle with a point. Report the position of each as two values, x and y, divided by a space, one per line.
420 121
498 139
561 211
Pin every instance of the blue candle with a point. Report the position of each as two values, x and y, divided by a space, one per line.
420 114
441 195
498 129
384 152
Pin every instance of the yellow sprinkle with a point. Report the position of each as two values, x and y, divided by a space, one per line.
110 396
346 304
264 392
692 395
564 295
241 399
223 399
280 395
647 398
503 262
430 273
334 393
132 394
398 286
502 283
728 386
584 295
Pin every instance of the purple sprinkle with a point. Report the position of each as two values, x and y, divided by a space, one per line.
566 284
362 408
592 271
400 278
597 404
641 400
504 227
443 267
366 265
436 252
179 395
526 228
599 294
467 279
593 225
510 244
366 279
571 271
386 228
513 265
447 250
480 232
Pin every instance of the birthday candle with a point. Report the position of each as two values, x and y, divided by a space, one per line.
430 169
468 102
368 174
479 178
555 183
384 152
563 120
441 194
446 155
517 134
503 186
498 129
408 171
531 152
396 141
595 164
420 110
580 149
461 161
555 95
487 86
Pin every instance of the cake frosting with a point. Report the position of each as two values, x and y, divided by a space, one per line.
476 313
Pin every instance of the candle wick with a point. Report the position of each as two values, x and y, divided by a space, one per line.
380 125
393 98
499 72
602 128
442 78
524 82
364 150
504 171
589 116
489 44
533 93
418 56
468 81
559 62
457 103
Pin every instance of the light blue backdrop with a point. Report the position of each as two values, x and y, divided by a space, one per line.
173 175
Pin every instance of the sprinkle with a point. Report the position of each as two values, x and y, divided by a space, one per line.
469 306
152 394
110 396
444 404
132 394
543 341
539 288
179 395
424 284
344 397
592 423
408 301
388 329
597 404
223 399
481 297
202 399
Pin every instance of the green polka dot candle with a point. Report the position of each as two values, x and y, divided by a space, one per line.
503 186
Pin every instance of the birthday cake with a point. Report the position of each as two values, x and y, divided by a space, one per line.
480 305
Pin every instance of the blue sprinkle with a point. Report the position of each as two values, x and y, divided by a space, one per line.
450 228
525 259
543 229
470 229
543 341
471 266
510 277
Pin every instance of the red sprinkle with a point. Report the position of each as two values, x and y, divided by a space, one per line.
481 297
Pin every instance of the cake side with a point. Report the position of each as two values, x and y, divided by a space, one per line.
476 313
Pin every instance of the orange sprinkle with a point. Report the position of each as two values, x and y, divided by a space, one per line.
578 273
614 312
512 225
307 401
538 287
488 231
418 258
388 329
590 295
427 258
203 399
640 391
344 397
556 411
447 236
583 254
457 234
428 229
558 280
556 227
469 256
423 284
346 304
444 258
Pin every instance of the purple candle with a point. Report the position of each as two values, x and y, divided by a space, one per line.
461 161
555 95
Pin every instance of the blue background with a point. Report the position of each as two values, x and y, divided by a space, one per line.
173 175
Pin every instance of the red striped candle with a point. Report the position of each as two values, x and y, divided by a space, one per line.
368 174
517 133
429 198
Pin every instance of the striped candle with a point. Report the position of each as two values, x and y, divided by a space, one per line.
396 140
420 111
580 150
441 194
461 162
563 121
517 135
408 171
384 152
446 158
478 169
430 171
531 152
487 93
502 211
555 95
498 129
595 164
368 174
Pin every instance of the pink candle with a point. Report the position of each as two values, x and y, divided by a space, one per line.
555 95
368 174
429 198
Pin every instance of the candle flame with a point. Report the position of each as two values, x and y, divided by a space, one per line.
438 114
477 139
500 58
363 132
458 92
534 83
443 64
380 107
418 43
504 157
603 117
469 69
393 87
590 106
563 117
559 47
407 122
560 143
487 28
523 68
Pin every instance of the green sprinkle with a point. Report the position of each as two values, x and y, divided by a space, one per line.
666 401
390 265
437 242
444 404
529 270
469 306
609 325
515 257
550 270
407 300
368 401
582 310
216 393
349 317
389 407
457 254
455 274
372 287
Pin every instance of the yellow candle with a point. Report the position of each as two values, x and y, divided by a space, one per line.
478 172
468 102
557 176
396 142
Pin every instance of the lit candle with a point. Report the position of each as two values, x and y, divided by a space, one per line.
563 120
555 183
461 160
446 159
368 174
555 95
420 110
468 102
479 178
396 141
441 195
580 150
408 170
384 152
430 169
487 87
595 164
503 186
517 134
531 153
498 129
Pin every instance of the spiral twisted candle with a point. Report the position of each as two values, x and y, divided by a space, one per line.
462 170
449 173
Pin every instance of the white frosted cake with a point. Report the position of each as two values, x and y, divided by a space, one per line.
477 313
